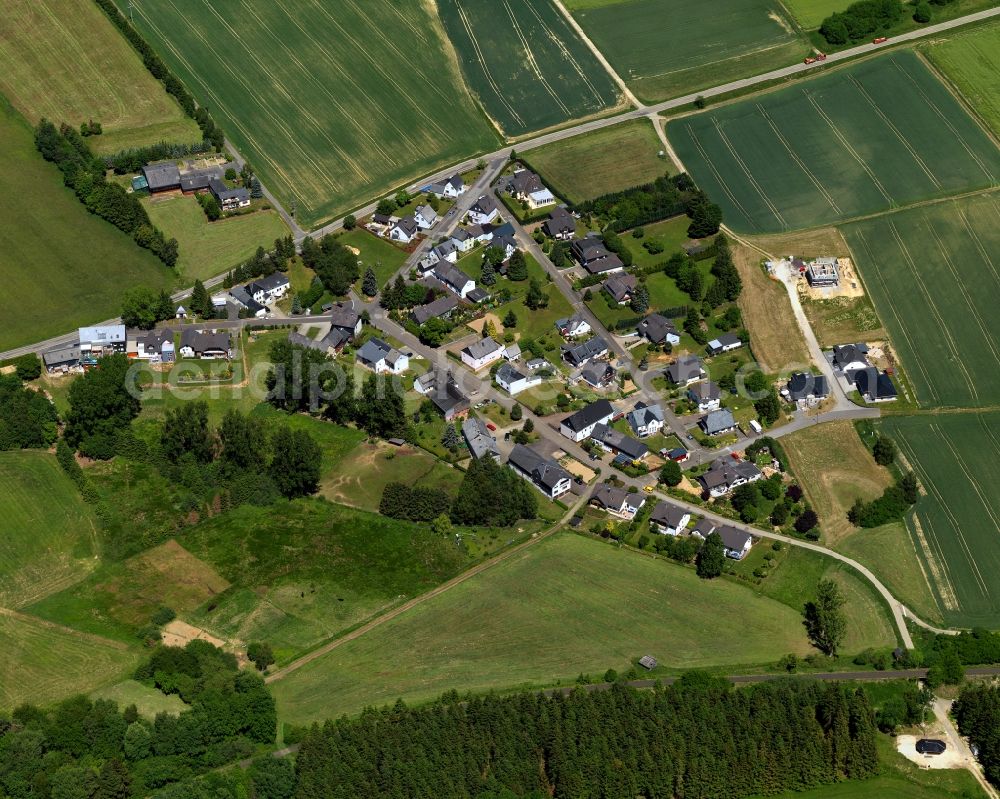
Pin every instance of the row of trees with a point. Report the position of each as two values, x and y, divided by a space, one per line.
84 173
891 506
860 21
978 713
696 739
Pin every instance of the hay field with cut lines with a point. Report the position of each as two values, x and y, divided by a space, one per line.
933 273
956 522
872 136
526 64
332 102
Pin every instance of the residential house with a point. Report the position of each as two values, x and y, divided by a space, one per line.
404 230
727 342
544 473
381 357
154 345
735 542
512 352
481 233
703 528
269 289
617 500
725 474
454 278
850 358
228 199
447 397
573 326
620 444
62 359
243 299
180 312
101 340
802 386
481 353
598 374
207 345
483 210
441 308
525 186
875 386
506 245
706 395
685 370
579 354
425 217
514 382
560 224
581 424
822 273
426 383
620 287
595 257
669 519
162 177
538 363
343 317
645 420
448 188
481 442
716 423
445 251
463 240
659 330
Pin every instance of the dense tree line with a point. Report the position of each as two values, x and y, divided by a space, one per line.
333 263
891 506
417 504
728 284
27 418
83 749
143 308
493 495
209 130
696 739
84 173
135 158
642 205
978 713
861 20
399 295
100 405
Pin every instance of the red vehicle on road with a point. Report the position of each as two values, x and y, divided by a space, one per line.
821 56
809 60
879 39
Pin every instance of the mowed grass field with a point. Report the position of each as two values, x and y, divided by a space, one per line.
43 663
666 48
332 103
565 606
956 522
526 64
49 538
879 134
65 61
933 273
612 159
208 248
835 468
971 61
811 13
63 267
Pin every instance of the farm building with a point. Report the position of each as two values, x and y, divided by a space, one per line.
228 199
162 177
727 342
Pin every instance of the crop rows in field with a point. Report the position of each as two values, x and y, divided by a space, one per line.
331 102
880 134
526 64
971 61
956 522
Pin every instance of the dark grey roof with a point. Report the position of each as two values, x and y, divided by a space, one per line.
687 367
243 297
718 421
725 340
594 256
620 286
485 205
62 355
577 354
204 341
642 414
344 316
732 538
560 221
703 527
479 438
223 192
668 514
592 413
620 442
447 397
801 385
478 294
705 391
438 307
726 471
597 373
480 349
848 353
269 282
408 225
544 471
509 374
154 339
162 176
451 274
373 351
524 181
656 328
872 383
609 496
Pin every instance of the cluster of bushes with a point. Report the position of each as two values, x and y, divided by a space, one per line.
771 445
861 20
84 748
614 743
84 173
889 507
399 295
663 198
27 418
142 307
209 130
399 501
492 495
332 262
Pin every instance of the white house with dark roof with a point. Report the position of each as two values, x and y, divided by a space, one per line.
669 519
560 224
525 186
598 374
404 230
269 289
207 345
645 420
481 353
617 501
573 326
659 330
227 198
511 380
706 395
62 359
717 423
454 278
803 387
484 210
617 442
685 370
725 474
425 217
580 354
481 442
102 340
620 287
736 543
593 256
544 473
875 386
727 342
448 188
581 424
463 240
381 357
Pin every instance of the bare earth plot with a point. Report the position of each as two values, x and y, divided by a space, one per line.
956 522
332 102
934 275
526 64
64 60
567 605
859 140
666 48
971 61
612 159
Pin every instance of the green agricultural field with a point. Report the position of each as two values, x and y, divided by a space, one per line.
44 663
811 13
934 277
565 606
208 248
65 61
331 102
971 61
879 134
956 523
666 48
611 159
49 539
63 266
528 67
